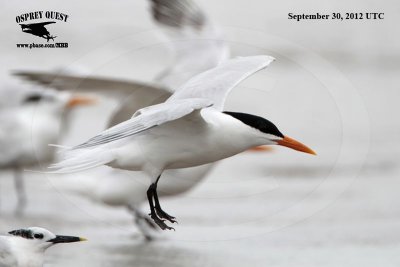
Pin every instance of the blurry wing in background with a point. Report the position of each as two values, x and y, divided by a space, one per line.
109 87
196 42
130 94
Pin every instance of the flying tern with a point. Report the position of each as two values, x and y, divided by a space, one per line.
34 119
188 129
196 45
26 247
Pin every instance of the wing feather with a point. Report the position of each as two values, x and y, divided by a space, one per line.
148 118
215 84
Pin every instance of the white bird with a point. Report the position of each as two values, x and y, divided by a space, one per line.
189 129
34 119
197 45
26 247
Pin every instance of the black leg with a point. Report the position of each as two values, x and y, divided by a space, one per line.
162 214
20 190
153 215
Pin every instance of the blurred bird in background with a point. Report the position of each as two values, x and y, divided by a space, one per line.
26 247
32 119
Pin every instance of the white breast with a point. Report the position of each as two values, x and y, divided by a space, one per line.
187 143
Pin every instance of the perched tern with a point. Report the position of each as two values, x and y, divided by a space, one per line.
188 129
26 247
34 120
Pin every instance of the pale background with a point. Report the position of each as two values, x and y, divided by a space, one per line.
334 86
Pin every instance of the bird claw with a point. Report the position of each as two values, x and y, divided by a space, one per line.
163 215
161 223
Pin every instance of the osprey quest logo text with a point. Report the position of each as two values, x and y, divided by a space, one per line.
42 25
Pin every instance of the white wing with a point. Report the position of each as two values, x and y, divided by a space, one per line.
147 118
215 84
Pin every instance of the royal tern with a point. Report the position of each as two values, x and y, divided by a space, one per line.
196 45
26 247
34 119
188 129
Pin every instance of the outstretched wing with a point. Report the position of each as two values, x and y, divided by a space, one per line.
147 118
215 84
210 87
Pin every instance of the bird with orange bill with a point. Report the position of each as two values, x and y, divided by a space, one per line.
32 119
189 129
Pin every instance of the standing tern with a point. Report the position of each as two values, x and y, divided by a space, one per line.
26 247
188 129
34 120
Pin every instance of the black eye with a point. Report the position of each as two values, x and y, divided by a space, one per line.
38 236
33 98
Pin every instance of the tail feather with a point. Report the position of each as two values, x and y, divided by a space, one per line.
75 162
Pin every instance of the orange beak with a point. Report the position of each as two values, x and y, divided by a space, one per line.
293 144
80 101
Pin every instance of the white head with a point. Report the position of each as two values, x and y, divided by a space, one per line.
41 239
